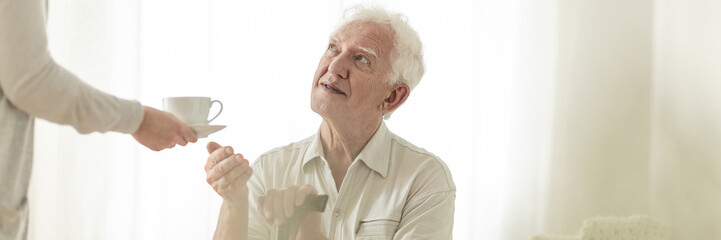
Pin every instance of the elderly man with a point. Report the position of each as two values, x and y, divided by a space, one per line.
379 185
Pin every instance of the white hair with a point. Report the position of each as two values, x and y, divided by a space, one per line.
407 53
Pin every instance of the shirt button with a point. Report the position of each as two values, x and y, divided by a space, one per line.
336 212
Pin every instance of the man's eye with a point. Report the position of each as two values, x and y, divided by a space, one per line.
362 59
332 47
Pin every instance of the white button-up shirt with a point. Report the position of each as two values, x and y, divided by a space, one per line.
393 189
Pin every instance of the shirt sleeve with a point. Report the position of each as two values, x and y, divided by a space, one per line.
428 212
257 229
35 84
428 218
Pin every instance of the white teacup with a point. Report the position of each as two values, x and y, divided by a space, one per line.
192 110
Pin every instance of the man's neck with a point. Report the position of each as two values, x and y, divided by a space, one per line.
343 142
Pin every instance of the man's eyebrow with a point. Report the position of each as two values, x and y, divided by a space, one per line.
368 51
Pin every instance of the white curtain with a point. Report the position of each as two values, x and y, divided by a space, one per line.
685 153
546 111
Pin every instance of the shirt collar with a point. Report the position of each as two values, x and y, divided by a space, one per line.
376 154
314 151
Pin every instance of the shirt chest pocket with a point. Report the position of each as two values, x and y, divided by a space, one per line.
376 229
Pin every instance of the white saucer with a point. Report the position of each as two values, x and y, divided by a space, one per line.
202 131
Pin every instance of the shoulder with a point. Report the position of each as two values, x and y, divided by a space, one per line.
284 154
274 167
292 147
430 171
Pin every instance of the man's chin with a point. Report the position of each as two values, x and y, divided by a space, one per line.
318 108
322 110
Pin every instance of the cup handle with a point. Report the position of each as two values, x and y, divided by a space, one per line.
220 111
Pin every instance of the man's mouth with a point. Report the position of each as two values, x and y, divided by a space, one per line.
332 88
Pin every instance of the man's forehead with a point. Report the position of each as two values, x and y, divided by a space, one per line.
379 30
368 37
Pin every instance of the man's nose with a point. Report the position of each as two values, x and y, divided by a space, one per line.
339 66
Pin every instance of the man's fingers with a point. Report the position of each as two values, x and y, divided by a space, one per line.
212 146
246 175
213 172
271 207
288 200
242 179
268 207
235 175
302 192
216 187
279 204
224 167
262 210
259 200
218 155
278 210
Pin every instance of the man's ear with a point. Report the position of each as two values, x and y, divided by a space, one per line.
395 98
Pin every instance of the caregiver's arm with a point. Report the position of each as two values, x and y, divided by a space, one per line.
34 83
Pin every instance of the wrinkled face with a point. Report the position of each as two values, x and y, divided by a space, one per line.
349 84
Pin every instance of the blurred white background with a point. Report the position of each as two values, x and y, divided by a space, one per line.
547 112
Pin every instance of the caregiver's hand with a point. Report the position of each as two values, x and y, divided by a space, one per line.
227 173
160 130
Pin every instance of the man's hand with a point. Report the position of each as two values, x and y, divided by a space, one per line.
160 130
279 205
227 173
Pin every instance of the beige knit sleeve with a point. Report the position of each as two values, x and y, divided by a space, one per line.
34 83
